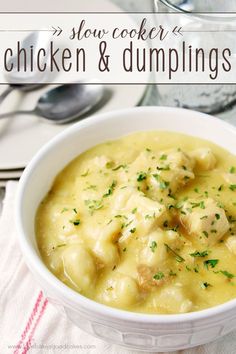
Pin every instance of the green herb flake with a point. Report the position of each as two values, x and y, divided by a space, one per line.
60 245
205 285
226 274
220 205
211 263
163 157
110 288
134 210
75 222
158 276
232 169
141 177
202 205
119 167
64 210
109 164
85 174
93 205
199 254
217 216
132 231
163 185
153 246
232 187
110 189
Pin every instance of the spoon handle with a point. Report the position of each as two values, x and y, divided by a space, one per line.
13 113
6 92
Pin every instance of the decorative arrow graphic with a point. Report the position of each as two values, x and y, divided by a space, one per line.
56 31
177 31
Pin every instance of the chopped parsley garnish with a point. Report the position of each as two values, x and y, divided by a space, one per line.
141 177
172 274
164 168
226 274
92 186
75 210
163 157
118 167
177 256
211 263
232 169
124 249
109 164
217 216
132 231
85 174
153 246
205 285
232 187
134 210
220 188
60 245
64 209
200 205
93 205
164 185
205 233
110 288
76 222
199 254
110 189
188 268
220 205
158 276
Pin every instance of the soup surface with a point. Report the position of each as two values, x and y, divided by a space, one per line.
146 223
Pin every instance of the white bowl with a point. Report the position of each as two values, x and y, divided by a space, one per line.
133 330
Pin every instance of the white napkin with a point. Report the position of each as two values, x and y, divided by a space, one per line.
30 324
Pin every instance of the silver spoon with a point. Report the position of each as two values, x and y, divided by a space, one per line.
65 103
23 82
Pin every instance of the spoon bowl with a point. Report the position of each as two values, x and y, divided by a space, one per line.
65 103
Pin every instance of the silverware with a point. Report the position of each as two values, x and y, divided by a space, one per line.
18 80
65 103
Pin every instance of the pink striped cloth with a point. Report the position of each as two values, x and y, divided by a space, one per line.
30 324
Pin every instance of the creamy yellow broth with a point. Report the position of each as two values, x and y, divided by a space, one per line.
146 223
